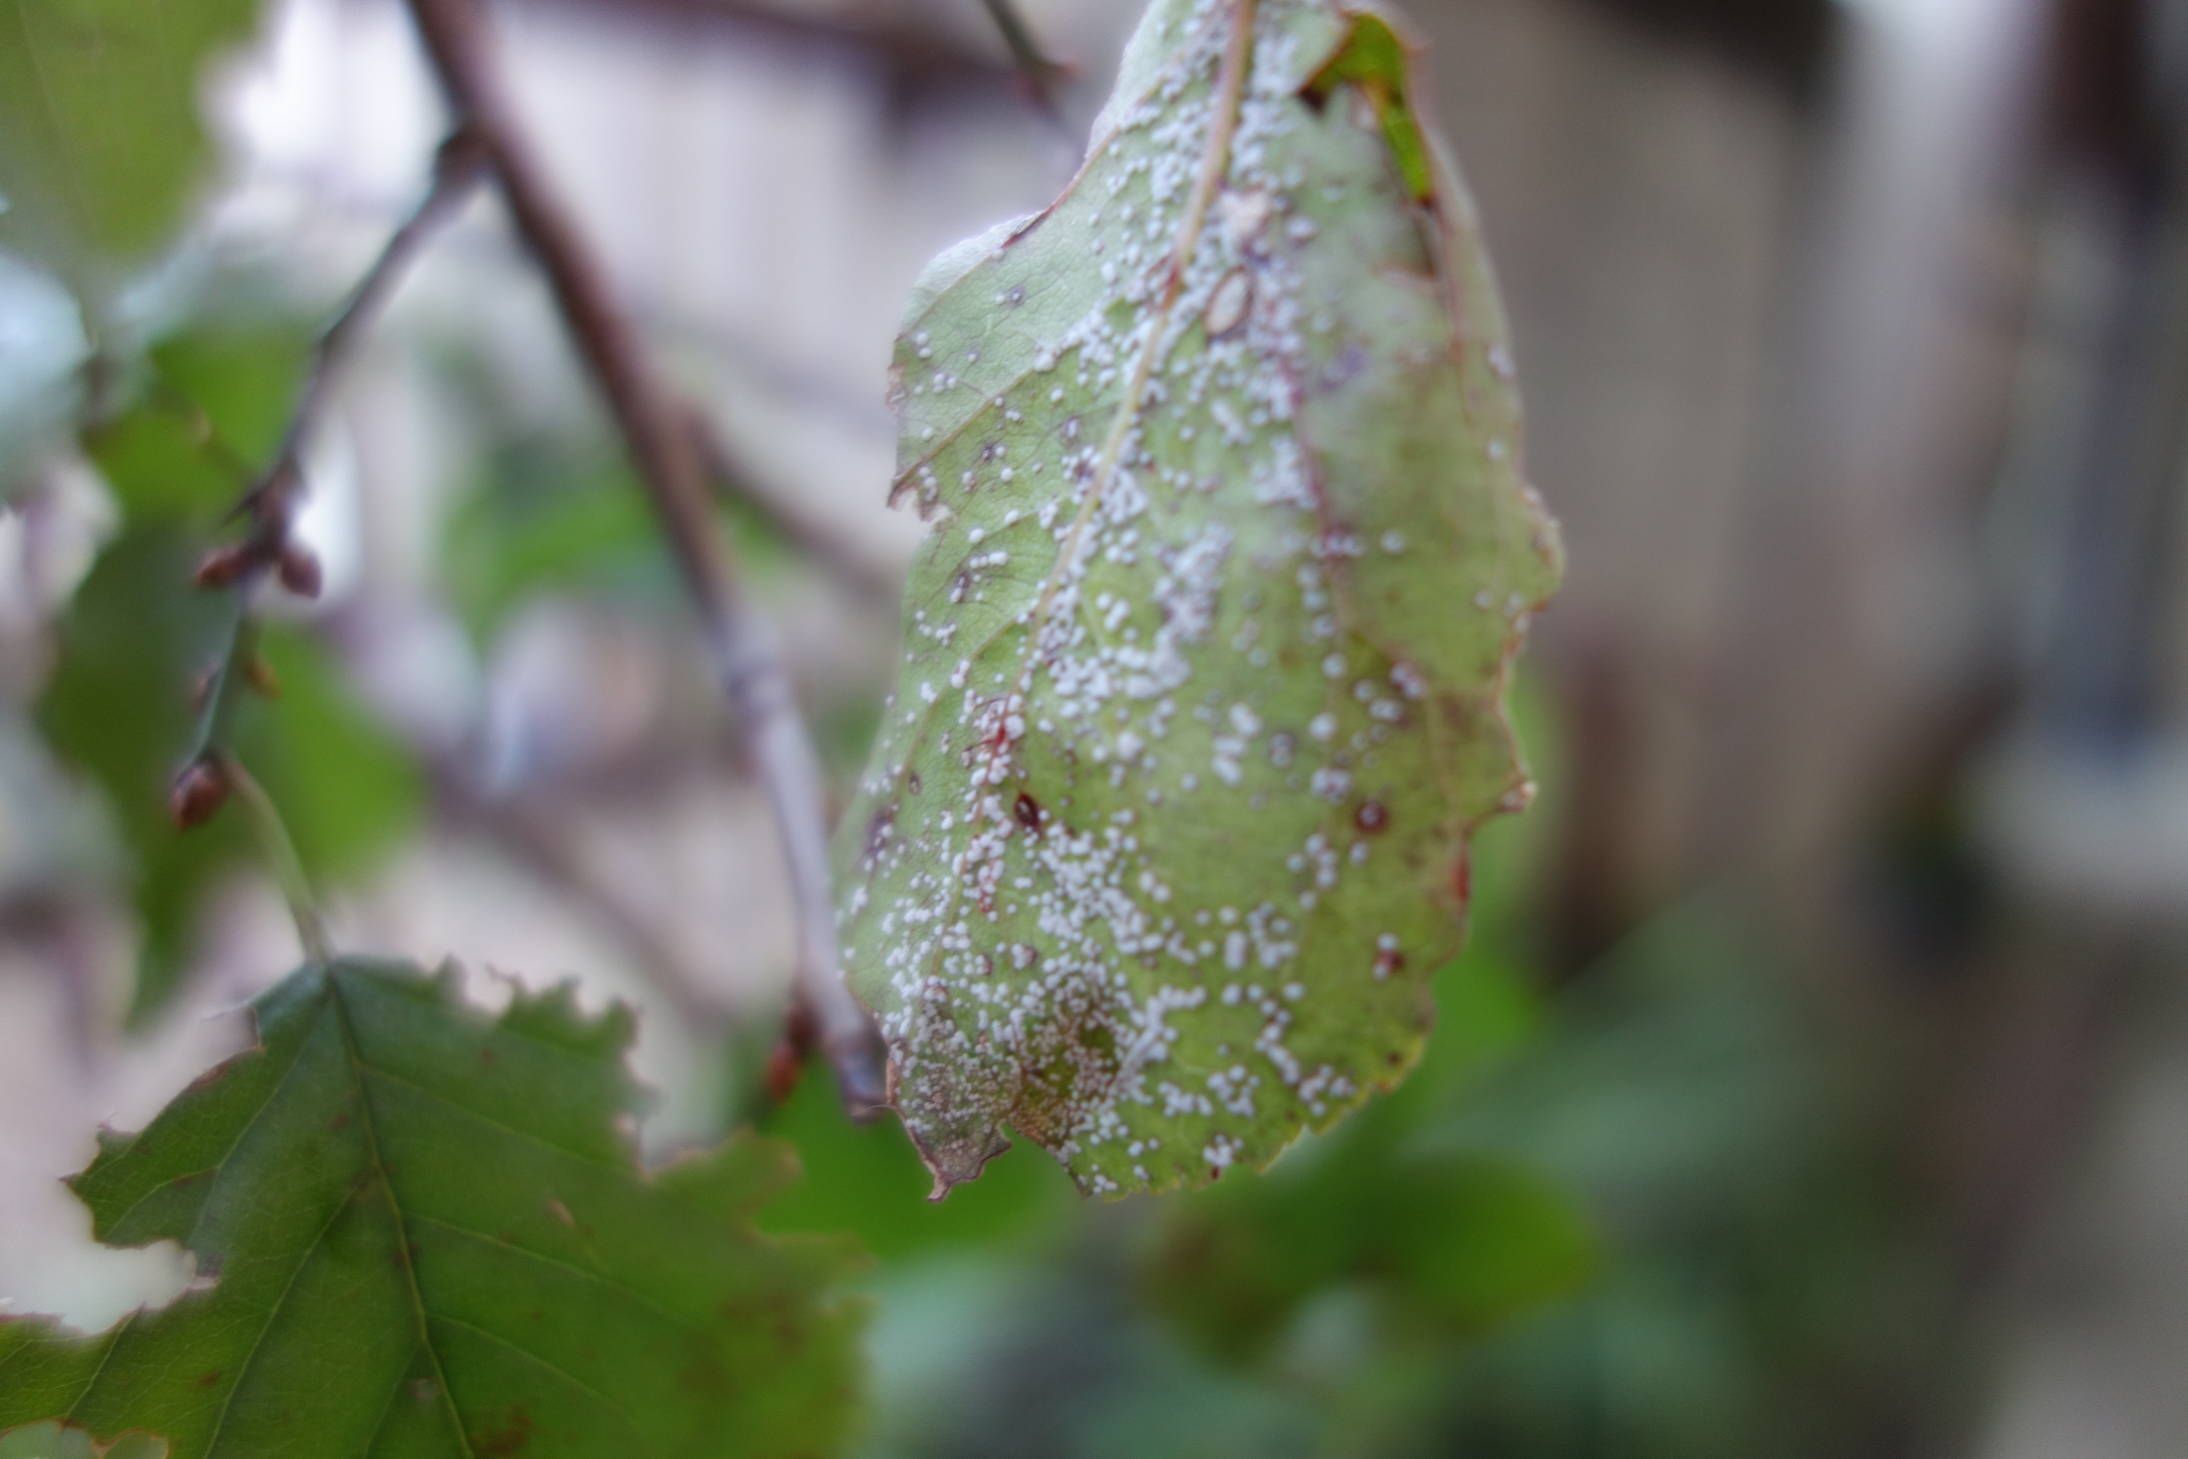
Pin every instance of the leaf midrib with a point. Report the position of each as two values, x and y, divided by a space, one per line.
369 1123
945 439
1231 80
361 1067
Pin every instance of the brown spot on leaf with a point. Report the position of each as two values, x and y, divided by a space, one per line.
513 1437
785 1067
1462 877
877 829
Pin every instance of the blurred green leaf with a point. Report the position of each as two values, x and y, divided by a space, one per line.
118 709
986 1357
1459 1244
549 517
427 1235
101 140
1702 1113
212 409
865 1181
1628 1099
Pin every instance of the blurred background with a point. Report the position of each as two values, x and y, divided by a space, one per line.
1814 1084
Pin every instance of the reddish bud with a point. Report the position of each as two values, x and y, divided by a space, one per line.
299 570
221 567
260 676
785 1065
199 792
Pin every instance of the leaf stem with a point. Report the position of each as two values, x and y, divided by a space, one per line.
268 547
279 849
1038 73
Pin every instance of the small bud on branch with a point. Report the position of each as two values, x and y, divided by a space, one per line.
199 792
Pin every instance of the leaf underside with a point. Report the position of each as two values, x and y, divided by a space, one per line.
423 1233
1205 656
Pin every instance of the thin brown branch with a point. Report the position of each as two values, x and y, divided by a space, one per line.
457 167
267 548
662 447
1039 75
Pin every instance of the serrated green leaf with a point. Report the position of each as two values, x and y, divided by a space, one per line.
1205 662
101 140
426 1234
118 711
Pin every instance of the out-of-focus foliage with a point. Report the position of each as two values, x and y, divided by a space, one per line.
550 517
201 412
427 1235
1712 1276
119 709
1647 1218
552 510
1454 1242
213 399
865 1181
101 141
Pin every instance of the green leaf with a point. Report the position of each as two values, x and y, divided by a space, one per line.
1459 1241
101 141
549 515
426 1235
118 710
235 378
1167 827
1460 1244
